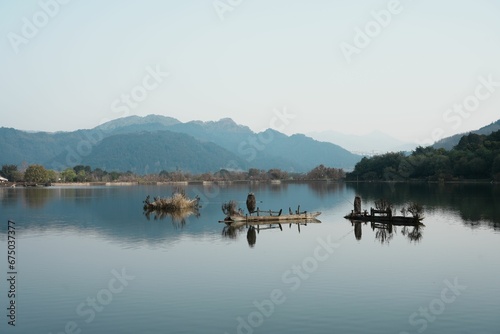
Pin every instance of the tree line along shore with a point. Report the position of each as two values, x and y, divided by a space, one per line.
475 157
84 175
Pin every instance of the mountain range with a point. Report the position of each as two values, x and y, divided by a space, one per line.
154 143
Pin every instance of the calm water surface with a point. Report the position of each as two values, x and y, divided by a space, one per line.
89 261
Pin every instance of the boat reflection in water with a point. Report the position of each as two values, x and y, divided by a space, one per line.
385 232
232 230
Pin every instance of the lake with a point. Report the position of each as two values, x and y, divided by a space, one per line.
87 260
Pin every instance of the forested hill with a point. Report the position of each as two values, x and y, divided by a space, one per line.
474 157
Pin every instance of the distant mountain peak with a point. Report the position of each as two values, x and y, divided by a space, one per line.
161 119
228 123
274 132
224 124
138 120
227 120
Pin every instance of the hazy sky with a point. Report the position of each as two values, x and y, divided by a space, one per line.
409 68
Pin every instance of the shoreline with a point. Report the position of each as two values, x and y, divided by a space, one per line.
430 182
209 183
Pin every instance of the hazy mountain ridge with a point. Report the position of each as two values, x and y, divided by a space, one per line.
154 143
449 142
323 153
375 142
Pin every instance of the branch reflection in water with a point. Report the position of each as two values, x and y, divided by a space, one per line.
384 233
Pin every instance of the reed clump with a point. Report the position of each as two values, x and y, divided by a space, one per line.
177 202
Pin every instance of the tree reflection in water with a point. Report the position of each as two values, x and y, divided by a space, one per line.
178 217
231 232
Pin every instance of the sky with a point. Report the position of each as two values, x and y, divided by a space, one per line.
417 70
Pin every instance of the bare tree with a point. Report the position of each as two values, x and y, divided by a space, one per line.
230 208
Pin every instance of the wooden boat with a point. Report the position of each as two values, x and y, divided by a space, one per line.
266 225
236 218
270 218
